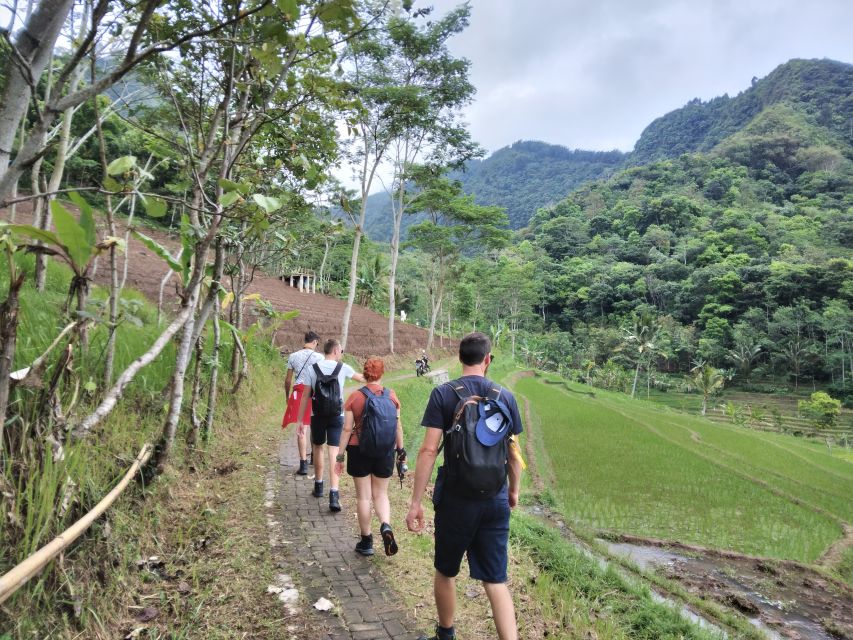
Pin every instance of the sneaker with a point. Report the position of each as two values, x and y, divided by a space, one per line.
303 468
388 539
334 501
318 489
365 546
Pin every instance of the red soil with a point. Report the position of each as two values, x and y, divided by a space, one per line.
368 333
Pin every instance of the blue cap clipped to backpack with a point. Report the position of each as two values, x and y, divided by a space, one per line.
495 420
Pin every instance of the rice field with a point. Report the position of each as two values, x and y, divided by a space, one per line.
629 466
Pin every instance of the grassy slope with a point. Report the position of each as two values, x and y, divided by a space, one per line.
628 466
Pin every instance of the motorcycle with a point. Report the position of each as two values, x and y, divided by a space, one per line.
421 367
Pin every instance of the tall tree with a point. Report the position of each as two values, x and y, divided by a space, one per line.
454 225
412 90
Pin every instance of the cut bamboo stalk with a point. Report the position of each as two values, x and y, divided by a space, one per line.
19 575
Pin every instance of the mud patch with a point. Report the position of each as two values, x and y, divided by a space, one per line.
792 600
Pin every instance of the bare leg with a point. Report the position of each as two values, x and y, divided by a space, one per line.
363 498
302 441
503 610
334 478
381 504
318 462
444 589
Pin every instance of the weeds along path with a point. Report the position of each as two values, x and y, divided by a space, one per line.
365 608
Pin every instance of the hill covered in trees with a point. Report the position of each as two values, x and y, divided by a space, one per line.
528 175
522 177
820 90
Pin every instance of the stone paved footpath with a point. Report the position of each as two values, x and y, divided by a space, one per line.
322 544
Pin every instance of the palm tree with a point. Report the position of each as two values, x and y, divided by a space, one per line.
640 338
743 356
708 380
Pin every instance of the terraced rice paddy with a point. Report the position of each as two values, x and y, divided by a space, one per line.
628 466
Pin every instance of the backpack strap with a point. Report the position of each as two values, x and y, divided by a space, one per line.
459 389
495 392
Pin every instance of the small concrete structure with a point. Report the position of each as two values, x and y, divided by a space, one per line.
304 280
439 376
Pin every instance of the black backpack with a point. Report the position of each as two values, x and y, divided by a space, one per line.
378 432
472 469
326 400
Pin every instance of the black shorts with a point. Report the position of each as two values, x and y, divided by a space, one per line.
478 528
326 429
360 466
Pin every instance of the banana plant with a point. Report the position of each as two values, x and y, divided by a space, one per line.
74 242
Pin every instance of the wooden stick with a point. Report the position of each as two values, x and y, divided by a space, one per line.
19 575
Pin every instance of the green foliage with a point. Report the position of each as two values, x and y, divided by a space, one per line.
821 408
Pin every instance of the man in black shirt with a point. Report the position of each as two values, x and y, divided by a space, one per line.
476 526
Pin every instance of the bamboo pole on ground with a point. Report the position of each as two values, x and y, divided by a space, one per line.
19 575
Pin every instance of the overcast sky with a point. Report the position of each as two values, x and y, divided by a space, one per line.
591 74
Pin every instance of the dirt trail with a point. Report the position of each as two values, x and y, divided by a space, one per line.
368 334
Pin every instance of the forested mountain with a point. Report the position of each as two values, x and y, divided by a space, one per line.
528 175
820 90
522 178
740 256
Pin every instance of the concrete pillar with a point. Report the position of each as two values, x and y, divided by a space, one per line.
291 279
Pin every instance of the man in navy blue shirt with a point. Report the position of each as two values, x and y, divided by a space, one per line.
476 526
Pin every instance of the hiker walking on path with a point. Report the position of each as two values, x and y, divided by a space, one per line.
326 379
373 434
299 361
474 420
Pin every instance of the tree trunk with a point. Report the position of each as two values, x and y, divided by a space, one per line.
207 426
176 394
195 423
436 309
353 278
704 403
636 375
34 43
8 338
397 215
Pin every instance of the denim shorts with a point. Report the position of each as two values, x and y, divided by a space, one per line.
479 528
326 429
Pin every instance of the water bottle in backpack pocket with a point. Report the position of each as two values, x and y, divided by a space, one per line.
378 432
327 399
475 447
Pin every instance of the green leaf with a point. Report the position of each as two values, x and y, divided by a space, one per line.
267 203
72 236
111 184
230 185
288 315
87 220
155 207
90 387
34 233
289 8
160 250
121 165
229 198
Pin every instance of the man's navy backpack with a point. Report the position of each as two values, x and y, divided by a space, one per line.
475 447
378 433
326 400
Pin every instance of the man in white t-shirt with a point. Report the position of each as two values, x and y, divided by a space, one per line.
326 429
298 365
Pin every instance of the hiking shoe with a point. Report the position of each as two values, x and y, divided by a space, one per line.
388 539
303 468
334 501
365 546
439 635
318 489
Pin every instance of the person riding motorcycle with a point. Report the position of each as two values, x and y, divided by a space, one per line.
422 364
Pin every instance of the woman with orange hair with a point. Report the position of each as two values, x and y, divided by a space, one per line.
372 470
